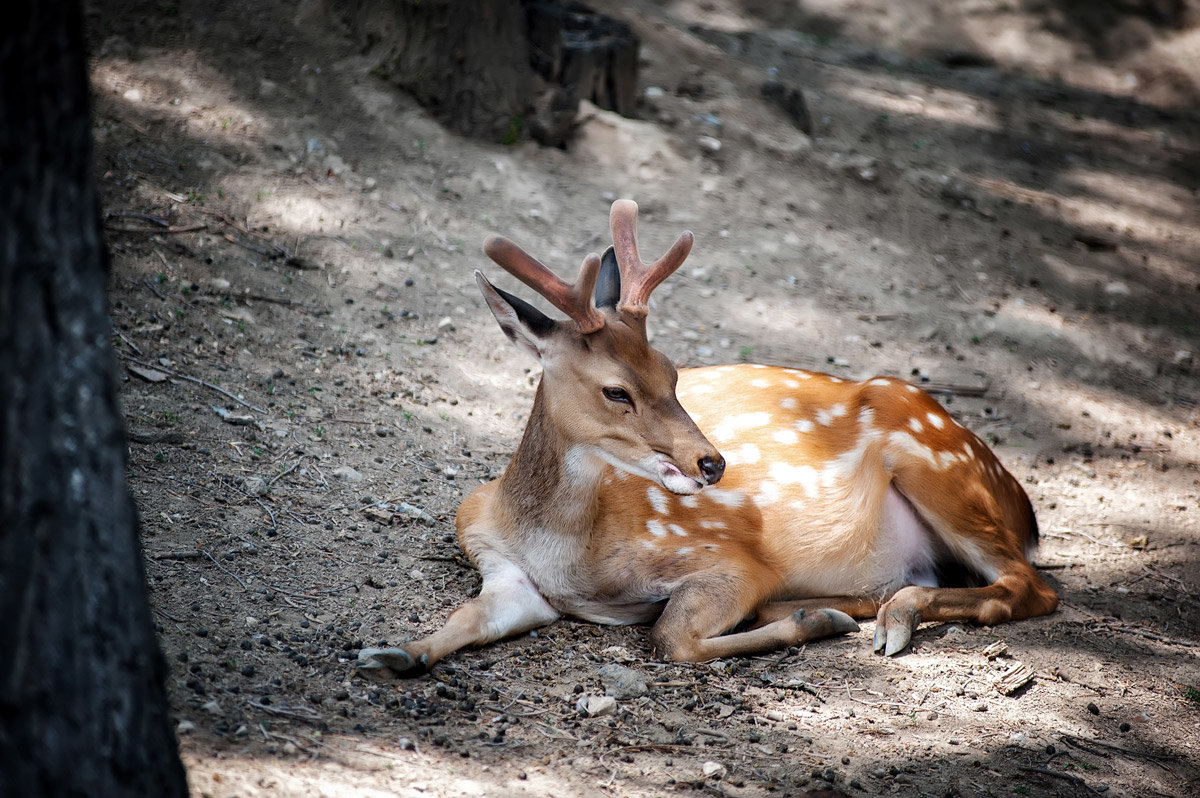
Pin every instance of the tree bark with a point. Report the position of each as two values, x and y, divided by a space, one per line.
501 69
83 709
467 62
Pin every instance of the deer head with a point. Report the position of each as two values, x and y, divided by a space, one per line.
605 391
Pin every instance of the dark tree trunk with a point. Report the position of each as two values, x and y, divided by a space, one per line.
83 709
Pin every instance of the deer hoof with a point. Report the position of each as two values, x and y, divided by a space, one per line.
389 664
894 629
823 623
842 623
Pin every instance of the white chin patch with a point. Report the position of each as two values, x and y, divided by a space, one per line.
675 481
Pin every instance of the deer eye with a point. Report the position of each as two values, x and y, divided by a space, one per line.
617 395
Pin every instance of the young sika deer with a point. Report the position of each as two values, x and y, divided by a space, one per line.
836 498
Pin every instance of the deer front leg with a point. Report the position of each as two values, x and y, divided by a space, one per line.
692 625
508 604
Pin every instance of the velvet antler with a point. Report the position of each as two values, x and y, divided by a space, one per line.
638 279
574 299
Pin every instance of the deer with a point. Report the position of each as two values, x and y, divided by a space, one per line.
828 500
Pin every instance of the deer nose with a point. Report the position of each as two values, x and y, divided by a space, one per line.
712 468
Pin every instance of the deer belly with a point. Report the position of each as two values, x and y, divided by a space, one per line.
611 613
904 552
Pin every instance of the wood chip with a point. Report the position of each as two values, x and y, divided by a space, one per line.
1014 678
997 649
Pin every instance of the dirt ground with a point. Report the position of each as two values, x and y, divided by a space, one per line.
997 197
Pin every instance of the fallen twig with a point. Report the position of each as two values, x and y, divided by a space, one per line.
183 228
287 471
1091 746
1149 635
145 217
1067 776
193 554
196 380
226 570
958 390
128 343
301 713
154 288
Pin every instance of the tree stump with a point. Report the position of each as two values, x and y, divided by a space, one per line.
592 56
502 69
466 63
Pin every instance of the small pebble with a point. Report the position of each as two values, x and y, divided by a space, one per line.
593 706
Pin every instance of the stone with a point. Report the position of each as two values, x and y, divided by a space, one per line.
623 683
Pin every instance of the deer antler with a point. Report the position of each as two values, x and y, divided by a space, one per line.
638 279
574 299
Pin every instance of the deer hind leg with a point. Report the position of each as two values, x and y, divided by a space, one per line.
981 524
693 624
1017 593
508 604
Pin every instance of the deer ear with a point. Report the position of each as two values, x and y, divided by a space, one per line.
608 284
525 325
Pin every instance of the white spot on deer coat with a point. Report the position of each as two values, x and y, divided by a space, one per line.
683 551
658 500
690 502
729 427
803 425
935 420
656 528
941 460
803 475
676 529
785 436
912 388
791 384
728 498
788 402
712 523
881 382
768 493
915 425
824 418
749 453
909 444
760 383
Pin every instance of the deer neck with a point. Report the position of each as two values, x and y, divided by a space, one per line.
552 483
